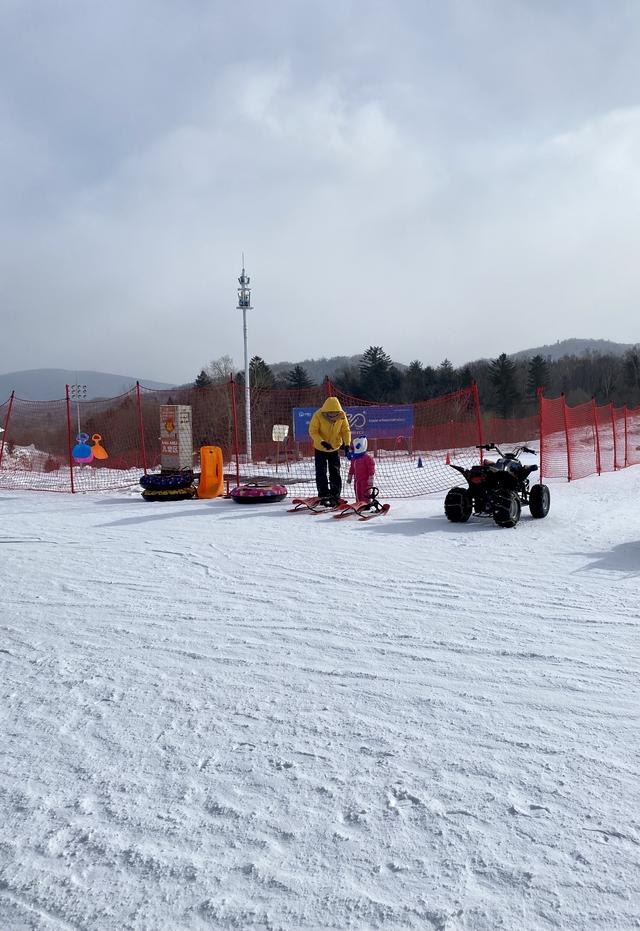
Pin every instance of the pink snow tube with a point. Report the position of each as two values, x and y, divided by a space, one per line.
258 493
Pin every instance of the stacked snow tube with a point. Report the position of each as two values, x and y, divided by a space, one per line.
171 486
258 493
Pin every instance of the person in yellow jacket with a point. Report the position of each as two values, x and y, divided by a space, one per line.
329 430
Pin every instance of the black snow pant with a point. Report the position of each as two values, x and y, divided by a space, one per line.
331 461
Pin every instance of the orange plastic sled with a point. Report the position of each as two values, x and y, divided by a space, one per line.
211 483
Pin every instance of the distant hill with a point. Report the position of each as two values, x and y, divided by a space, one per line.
49 384
574 347
316 369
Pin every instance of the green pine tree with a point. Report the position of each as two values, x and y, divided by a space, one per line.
537 375
502 375
414 380
203 380
446 377
297 377
260 375
376 374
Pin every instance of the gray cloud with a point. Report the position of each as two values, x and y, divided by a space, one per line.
445 179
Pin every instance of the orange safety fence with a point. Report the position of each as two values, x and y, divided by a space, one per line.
512 431
587 439
633 436
411 443
79 445
40 436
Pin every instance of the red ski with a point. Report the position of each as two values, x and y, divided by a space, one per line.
349 509
314 505
364 510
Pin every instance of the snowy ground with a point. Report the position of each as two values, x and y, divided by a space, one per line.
223 716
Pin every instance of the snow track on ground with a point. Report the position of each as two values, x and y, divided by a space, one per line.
215 716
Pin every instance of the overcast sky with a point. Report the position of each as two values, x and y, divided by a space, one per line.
449 178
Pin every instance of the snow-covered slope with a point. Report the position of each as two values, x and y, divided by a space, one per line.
222 716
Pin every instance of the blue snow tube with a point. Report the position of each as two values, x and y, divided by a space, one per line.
167 480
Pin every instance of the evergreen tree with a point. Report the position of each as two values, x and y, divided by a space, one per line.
464 377
260 375
446 377
537 375
376 374
395 382
297 377
430 382
203 380
502 374
348 379
414 381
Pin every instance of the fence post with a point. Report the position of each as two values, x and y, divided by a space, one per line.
235 426
615 440
566 436
626 438
6 425
69 440
328 387
476 404
597 432
141 424
540 431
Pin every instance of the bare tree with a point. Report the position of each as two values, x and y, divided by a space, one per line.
220 370
608 375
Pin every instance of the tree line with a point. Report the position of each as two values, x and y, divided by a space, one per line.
507 386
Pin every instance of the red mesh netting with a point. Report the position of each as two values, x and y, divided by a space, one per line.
618 416
553 439
580 441
40 437
35 451
606 437
513 431
411 443
211 414
583 445
633 436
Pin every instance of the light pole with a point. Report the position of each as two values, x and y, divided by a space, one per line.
244 304
78 393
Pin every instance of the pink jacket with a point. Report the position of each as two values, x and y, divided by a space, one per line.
362 470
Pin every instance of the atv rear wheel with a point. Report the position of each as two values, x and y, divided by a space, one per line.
507 508
539 500
458 505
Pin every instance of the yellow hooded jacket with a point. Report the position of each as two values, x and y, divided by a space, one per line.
336 432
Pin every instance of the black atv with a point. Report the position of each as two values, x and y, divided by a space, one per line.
497 489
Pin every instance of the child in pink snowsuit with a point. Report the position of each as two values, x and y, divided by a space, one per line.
362 468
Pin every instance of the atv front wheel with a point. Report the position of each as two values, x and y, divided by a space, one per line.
539 500
458 505
506 509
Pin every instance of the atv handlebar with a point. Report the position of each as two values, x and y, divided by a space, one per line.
516 452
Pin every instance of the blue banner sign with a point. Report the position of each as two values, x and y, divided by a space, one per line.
376 423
